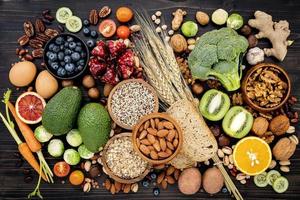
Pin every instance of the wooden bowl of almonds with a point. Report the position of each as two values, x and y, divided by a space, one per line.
121 162
157 138
266 87
130 100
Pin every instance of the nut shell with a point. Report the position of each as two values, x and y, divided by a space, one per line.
260 126
284 149
178 43
279 125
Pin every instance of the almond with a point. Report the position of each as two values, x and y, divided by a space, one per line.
144 149
169 152
163 144
107 184
171 135
170 180
170 170
113 189
159 167
156 146
164 184
162 133
126 188
156 120
146 125
163 154
160 177
175 142
151 148
141 128
176 174
168 125
152 131
151 138
160 125
176 136
145 142
170 145
152 123
143 134
153 155
138 142
118 186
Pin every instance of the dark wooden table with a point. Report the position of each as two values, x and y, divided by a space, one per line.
12 15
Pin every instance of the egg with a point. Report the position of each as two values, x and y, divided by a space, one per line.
46 85
22 73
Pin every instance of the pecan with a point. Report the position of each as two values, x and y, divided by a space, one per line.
36 44
46 21
61 28
39 26
51 32
46 12
38 53
104 11
42 37
93 17
23 40
28 28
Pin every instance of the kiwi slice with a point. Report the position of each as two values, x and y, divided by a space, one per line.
260 180
214 104
272 176
281 184
237 122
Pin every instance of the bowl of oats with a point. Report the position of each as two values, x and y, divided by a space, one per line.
121 162
130 100
266 87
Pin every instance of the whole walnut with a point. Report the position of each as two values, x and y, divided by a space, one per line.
178 43
279 125
284 149
260 126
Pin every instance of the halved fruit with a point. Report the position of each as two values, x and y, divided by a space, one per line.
252 155
73 24
237 122
214 104
29 107
62 14
281 184
107 28
272 176
260 180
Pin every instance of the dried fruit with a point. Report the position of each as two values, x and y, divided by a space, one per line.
279 124
260 126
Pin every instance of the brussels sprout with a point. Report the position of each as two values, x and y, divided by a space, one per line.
235 21
73 138
41 134
219 16
71 157
189 29
84 152
56 147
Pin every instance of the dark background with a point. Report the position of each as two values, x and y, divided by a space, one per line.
12 16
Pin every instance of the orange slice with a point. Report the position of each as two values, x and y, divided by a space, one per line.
252 155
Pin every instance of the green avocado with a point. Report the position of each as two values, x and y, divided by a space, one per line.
61 111
94 126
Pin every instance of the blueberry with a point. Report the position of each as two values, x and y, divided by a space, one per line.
156 192
70 39
83 54
61 47
86 22
86 31
61 71
224 190
51 46
56 49
54 65
60 55
94 34
153 176
78 44
67 59
81 62
145 183
48 53
75 56
53 57
72 45
68 52
70 67
66 44
90 43
62 63
79 68
59 40
78 49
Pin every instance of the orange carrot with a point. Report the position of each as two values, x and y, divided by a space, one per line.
26 131
29 157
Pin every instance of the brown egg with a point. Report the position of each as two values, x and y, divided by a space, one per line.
46 85
22 73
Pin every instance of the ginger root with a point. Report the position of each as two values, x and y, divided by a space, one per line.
178 19
276 32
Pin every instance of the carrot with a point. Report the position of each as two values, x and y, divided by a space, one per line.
29 157
26 131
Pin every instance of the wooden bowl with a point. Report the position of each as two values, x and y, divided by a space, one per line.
110 173
109 106
283 75
136 131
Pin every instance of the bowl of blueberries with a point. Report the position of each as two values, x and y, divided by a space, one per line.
66 56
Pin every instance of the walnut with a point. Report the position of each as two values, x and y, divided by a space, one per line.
279 124
237 99
260 126
284 149
178 43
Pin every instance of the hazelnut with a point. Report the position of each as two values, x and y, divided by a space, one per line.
93 93
178 43
223 141
279 124
260 126
197 88
202 18
284 149
252 40
107 89
67 83
246 30
88 81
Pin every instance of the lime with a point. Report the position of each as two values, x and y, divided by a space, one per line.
63 14
260 180
280 185
74 24
272 176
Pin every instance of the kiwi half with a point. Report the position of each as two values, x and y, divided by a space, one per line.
214 104
237 122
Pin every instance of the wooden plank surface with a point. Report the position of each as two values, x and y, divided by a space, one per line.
12 15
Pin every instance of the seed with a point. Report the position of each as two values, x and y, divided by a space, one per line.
243 181
112 132
126 188
170 32
112 189
294 139
153 155
231 159
162 133
291 130
99 161
159 167
168 125
146 125
156 146
162 144
220 153
141 128
164 27
285 163
160 125
272 164
170 170
88 180
157 21
138 142
170 146
118 186
86 187
158 13
163 154
152 131
170 180
152 123
153 17
156 120
151 148
87 166
240 176
151 138
158 30
144 149
107 184
164 184
227 150
167 39
134 187
191 41
191 47
285 168
143 134
226 160
175 142
160 177
145 142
